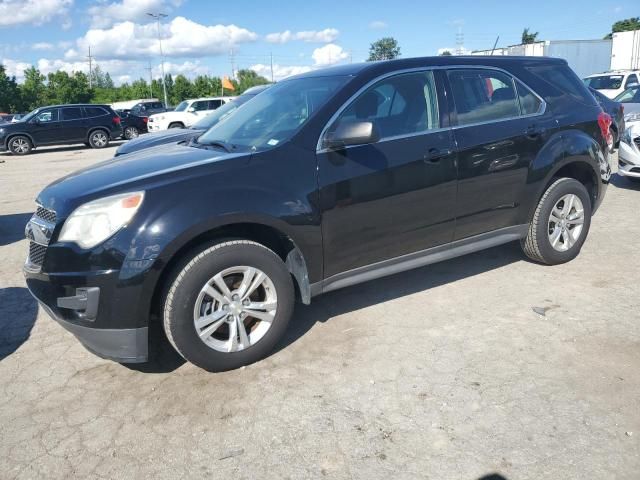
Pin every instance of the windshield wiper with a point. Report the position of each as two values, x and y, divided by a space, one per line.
228 147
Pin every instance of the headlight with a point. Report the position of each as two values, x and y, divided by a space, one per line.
94 222
632 117
1 131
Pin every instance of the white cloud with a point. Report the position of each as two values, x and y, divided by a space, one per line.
188 69
35 12
180 38
328 55
378 25
327 35
43 46
279 71
106 14
15 68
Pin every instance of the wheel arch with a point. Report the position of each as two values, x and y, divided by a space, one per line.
268 235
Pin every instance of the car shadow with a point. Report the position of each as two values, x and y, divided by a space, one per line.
346 300
64 148
164 359
493 476
19 313
624 182
12 227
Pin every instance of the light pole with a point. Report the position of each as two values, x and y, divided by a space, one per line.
157 17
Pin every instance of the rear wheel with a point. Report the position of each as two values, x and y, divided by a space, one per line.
228 305
98 139
20 145
176 125
131 132
560 223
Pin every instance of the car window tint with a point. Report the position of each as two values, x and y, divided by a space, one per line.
71 113
565 81
213 104
529 102
48 116
200 105
156 105
400 105
94 111
483 96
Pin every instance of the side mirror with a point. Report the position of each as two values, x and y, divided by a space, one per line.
191 109
36 120
351 133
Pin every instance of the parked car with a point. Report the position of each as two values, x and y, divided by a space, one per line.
629 153
325 180
186 113
174 135
132 125
6 118
616 112
613 83
18 117
630 100
94 125
141 107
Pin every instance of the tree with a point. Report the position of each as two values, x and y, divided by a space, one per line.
386 48
446 53
33 90
64 88
181 89
9 98
529 37
248 79
626 25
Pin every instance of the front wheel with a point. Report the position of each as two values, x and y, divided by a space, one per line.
98 139
560 223
20 145
228 305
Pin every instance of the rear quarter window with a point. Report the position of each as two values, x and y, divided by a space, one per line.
95 111
563 81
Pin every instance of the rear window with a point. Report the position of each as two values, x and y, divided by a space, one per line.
605 82
71 113
562 79
94 111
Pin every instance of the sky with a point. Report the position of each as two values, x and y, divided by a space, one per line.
212 37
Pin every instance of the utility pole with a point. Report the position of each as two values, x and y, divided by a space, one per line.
459 41
271 55
150 80
232 58
157 17
90 57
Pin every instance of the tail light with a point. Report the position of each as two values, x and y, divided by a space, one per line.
604 122
116 120
145 119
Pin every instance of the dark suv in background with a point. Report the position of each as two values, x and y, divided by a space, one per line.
324 180
93 125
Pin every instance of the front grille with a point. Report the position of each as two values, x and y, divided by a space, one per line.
46 214
36 253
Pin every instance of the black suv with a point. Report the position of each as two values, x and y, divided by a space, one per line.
324 180
147 108
93 125
132 125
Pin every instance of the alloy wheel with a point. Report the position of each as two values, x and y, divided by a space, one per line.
20 145
235 309
99 139
131 132
566 222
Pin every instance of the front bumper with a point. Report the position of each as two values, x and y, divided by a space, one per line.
629 160
60 295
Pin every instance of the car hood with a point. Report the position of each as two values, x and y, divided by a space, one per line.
157 138
137 171
609 93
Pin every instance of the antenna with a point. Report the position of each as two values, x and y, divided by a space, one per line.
495 44
271 55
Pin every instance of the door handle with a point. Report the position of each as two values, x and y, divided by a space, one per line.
435 154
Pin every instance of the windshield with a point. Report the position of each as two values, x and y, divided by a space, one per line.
220 113
182 106
29 115
604 82
630 95
275 115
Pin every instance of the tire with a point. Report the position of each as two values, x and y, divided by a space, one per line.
99 138
186 305
131 132
543 229
20 145
176 125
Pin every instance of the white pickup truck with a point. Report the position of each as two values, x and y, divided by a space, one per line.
186 113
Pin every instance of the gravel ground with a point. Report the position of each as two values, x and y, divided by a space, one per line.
445 372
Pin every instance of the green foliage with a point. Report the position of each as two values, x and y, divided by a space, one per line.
626 25
446 53
386 48
61 87
529 37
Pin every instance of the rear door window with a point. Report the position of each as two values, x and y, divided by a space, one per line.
94 111
213 104
200 105
483 95
71 113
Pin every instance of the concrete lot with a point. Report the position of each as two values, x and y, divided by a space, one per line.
445 372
